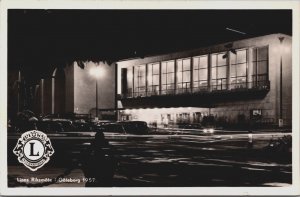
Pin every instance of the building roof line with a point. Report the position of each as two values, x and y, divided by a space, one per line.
201 48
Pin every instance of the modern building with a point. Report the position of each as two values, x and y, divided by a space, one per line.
72 89
238 82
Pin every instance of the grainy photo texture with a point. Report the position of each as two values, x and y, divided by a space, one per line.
149 98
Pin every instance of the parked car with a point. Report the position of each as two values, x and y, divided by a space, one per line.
49 126
78 126
64 125
126 127
101 122
84 127
113 128
135 127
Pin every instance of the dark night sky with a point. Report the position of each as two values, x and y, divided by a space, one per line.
41 39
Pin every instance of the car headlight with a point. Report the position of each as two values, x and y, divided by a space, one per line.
211 130
205 130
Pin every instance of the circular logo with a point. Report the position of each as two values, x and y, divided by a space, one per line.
33 149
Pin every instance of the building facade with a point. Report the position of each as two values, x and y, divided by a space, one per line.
239 82
73 90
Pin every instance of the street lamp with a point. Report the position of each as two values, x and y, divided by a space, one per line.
280 123
96 72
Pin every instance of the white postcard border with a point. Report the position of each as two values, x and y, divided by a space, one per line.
95 4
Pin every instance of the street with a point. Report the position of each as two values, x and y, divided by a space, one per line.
184 160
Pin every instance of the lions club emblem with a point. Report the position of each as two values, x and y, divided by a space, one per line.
33 149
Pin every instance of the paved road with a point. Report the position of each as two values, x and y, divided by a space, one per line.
188 160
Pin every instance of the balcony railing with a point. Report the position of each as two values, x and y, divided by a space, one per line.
168 92
241 85
184 88
154 91
200 89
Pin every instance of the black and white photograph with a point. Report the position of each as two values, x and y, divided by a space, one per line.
151 98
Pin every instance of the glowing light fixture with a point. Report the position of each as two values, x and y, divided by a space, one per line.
96 72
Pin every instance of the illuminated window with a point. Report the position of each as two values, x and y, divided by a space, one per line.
238 69
219 71
153 79
183 75
140 80
167 77
129 81
260 66
183 118
200 73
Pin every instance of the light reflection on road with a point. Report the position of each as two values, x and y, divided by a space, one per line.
194 160
221 160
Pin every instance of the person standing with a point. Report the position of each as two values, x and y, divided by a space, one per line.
99 164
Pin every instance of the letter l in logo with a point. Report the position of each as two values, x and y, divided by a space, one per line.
32 150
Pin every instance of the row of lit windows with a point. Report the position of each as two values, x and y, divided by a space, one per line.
160 77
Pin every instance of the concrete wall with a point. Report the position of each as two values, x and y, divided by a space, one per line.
47 96
85 88
58 91
76 91
37 100
287 80
270 104
69 91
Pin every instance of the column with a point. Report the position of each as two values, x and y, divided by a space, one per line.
249 70
209 73
228 71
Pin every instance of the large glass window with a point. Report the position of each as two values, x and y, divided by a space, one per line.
183 75
200 73
140 80
260 66
238 69
219 71
129 81
167 77
153 79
